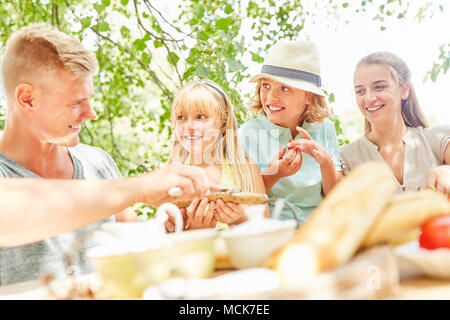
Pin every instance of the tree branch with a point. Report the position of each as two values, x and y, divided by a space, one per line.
152 74
146 30
174 63
150 7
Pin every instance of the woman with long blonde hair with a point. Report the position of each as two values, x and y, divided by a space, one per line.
205 136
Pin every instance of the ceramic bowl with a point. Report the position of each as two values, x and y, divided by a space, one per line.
251 243
188 254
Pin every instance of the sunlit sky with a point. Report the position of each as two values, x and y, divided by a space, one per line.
416 43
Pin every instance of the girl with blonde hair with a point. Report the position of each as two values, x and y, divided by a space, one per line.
292 115
205 136
396 131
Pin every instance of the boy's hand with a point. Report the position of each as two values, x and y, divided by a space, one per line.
284 165
310 147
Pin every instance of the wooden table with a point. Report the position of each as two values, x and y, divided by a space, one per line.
353 280
415 289
422 289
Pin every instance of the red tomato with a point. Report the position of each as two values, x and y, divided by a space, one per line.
435 233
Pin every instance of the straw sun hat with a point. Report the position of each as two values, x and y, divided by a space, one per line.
295 63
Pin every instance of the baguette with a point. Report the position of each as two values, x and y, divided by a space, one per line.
406 212
337 227
248 198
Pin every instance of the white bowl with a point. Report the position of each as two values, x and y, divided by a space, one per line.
188 254
251 243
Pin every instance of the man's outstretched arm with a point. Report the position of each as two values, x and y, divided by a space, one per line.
35 209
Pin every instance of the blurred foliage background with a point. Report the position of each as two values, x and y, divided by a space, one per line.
147 51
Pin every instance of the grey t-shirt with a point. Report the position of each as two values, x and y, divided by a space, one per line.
31 261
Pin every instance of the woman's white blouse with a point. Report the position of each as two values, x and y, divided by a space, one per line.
424 150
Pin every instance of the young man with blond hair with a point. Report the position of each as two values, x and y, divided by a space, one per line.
47 82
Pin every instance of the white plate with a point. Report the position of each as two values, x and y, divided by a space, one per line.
236 283
414 260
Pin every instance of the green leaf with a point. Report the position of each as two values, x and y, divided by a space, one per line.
146 37
98 8
257 58
146 58
124 31
139 44
224 23
199 12
194 56
106 3
382 28
124 2
201 70
337 125
86 22
173 58
446 64
157 28
345 5
435 71
103 27
331 98
234 65
188 73
228 9
157 43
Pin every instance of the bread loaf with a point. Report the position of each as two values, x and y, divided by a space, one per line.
248 198
337 227
405 212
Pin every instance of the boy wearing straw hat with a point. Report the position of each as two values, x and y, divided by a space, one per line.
292 140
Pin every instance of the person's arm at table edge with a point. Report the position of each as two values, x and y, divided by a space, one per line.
35 209
32 210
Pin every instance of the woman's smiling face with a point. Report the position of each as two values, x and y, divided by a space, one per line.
282 104
378 95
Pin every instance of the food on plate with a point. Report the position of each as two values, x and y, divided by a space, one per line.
248 198
404 213
435 233
337 227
